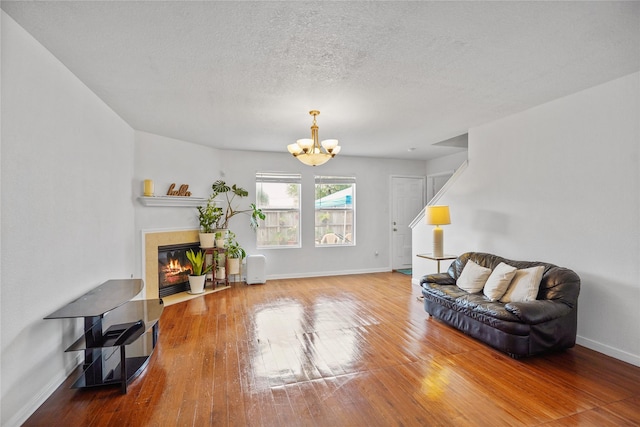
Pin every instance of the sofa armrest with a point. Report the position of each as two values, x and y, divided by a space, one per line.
439 278
539 311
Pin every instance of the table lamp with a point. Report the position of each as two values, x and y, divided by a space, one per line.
438 215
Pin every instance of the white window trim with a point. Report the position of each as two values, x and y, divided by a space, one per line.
319 179
282 178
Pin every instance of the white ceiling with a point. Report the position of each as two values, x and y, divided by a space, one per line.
386 76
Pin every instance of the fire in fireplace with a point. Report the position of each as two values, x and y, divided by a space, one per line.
174 268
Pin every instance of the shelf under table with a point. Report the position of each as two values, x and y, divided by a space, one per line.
94 375
147 311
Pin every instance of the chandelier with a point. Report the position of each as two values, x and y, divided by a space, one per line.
311 152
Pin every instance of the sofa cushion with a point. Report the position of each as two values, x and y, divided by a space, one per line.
446 292
473 277
475 306
490 313
499 281
524 286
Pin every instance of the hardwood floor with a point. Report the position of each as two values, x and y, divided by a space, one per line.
344 351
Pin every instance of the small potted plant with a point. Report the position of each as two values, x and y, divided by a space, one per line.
220 273
209 216
220 239
235 253
197 279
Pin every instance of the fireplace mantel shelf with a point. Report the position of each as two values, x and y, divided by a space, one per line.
173 201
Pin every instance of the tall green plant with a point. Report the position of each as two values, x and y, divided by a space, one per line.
230 193
197 261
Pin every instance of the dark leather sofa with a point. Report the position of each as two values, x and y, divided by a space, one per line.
517 328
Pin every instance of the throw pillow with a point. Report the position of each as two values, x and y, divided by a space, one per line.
524 286
499 281
473 277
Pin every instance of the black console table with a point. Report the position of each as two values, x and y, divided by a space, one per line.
119 334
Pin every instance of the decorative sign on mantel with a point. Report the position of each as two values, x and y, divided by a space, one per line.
182 191
174 198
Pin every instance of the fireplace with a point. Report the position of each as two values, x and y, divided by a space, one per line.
174 268
152 241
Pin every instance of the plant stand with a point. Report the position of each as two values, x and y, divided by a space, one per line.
210 254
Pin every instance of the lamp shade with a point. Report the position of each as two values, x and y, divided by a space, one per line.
438 215
330 144
294 149
305 143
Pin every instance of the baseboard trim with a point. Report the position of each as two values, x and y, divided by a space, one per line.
608 350
329 273
33 404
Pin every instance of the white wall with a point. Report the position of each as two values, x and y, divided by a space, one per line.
446 163
560 183
422 241
67 215
166 161
156 159
373 223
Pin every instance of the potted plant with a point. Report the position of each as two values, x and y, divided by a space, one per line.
197 279
219 258
220 241
209 216
230 193
235 253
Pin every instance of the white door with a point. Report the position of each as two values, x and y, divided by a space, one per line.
407 200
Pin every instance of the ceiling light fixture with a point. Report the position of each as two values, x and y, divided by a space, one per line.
311 152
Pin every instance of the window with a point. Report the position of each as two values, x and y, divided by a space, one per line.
278 195
335 203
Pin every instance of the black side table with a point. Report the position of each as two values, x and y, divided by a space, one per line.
109 306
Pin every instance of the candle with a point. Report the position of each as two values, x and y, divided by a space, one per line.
148 188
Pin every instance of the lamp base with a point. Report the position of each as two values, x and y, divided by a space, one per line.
438 242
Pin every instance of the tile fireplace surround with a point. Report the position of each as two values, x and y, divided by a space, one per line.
150 242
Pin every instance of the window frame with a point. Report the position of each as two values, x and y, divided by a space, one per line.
280 178
337 180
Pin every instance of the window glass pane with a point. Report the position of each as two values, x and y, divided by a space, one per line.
278 195
335 211
273 195
280 228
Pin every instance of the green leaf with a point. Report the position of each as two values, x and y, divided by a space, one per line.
197 261
239 191
220 187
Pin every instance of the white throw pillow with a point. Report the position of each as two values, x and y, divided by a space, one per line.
473 277
524 286
499 281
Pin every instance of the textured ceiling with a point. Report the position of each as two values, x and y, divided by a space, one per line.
386 76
